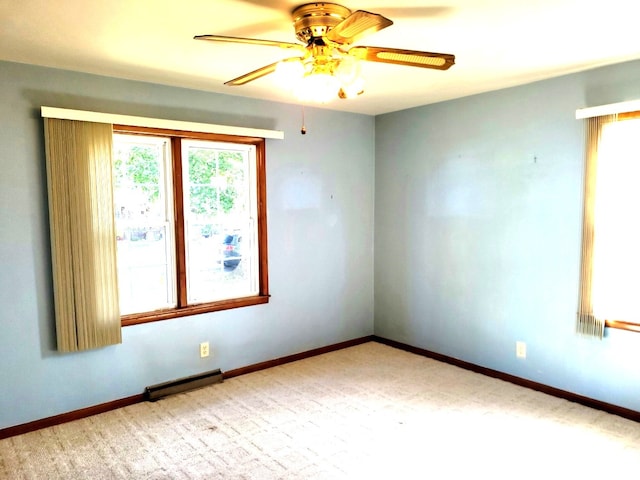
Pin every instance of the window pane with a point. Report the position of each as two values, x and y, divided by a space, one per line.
616 262
144 231
220 230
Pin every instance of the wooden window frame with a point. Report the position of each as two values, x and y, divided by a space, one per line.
183 309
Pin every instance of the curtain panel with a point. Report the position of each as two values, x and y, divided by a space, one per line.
83 237
587 323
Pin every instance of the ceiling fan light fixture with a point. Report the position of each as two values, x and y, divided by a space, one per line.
289 72
318 87
351 90
351 80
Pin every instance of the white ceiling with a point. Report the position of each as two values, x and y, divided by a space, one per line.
497 43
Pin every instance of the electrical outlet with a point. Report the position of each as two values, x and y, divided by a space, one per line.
521 350
204 349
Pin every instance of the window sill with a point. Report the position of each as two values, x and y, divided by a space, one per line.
621 325
138 318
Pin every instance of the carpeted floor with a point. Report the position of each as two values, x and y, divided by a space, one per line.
366 412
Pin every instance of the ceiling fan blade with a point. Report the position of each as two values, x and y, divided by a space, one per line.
251 76
411 58
357 25
260 72
251 41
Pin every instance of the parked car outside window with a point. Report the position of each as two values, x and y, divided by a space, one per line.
231 251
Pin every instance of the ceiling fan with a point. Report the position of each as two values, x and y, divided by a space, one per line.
326 64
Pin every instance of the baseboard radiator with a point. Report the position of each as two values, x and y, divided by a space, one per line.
156 392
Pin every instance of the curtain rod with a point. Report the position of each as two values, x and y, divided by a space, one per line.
86 116
612 108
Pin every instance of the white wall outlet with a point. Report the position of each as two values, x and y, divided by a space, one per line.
521 349
204 349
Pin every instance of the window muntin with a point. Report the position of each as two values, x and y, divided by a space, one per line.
214 187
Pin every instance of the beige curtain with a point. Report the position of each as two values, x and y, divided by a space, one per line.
587 323
83 237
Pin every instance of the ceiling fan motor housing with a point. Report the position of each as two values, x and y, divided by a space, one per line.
313 20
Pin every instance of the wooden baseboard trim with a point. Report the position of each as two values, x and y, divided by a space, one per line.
523 382
296 356
124 402
70 416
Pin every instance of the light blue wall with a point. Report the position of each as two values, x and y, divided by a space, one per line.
320 225
477 233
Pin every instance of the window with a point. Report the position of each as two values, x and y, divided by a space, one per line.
177 183
611 236
190 219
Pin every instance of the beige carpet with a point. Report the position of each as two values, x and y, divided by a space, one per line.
369 411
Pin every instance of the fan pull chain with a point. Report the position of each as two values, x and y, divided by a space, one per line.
303 129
